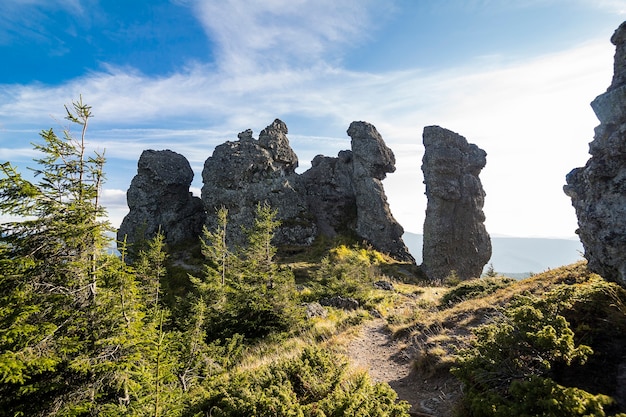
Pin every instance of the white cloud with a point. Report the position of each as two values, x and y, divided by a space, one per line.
256 36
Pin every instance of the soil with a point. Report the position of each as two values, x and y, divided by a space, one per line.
391 361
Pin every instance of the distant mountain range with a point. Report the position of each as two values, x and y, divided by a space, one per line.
518 256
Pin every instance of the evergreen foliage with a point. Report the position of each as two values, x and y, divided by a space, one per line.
248 293
520 364
349 272
474 288
314 384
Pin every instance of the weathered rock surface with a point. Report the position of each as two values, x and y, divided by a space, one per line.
242 174
455 238
314 310
342 195
336 195
340 302
346 193
598 190
159 199
330 195
372 160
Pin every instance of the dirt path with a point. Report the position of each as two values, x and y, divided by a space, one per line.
387 360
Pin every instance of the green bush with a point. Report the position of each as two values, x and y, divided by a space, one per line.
348 272
312 384
473 289
516 365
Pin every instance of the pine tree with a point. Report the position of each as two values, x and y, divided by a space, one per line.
215 249
50 267
257 298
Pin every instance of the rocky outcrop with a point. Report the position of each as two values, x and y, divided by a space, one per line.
346 193
455 238
342 303
342 195
242 174
159 199
330 194
371 161
598 190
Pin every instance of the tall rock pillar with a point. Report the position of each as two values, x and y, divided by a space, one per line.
371 161
598 190
159 200
455 238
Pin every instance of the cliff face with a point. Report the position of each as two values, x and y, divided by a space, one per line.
598 190
337 195
455 238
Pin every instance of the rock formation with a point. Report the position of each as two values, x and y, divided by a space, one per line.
342 195
346 193
371 161
455 238
242 174
337 195
159 199
598 190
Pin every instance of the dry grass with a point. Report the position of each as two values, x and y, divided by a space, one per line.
432 334
436 333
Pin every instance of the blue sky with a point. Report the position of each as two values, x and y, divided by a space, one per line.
513 76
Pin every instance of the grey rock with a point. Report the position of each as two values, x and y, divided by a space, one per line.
384 285
242 174
371 161
335 196
330 194
315 310
343 303
598 190
159 199
341 195
455 237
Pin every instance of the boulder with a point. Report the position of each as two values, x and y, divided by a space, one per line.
598 190
159 200
314 310
383 285
455 237
340 302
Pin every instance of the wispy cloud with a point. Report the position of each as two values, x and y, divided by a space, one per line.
532 117
27 20
257 36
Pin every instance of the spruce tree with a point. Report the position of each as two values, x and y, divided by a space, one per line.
258 297
50 267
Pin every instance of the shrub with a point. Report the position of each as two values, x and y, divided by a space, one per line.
516 365
312 384
473 289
